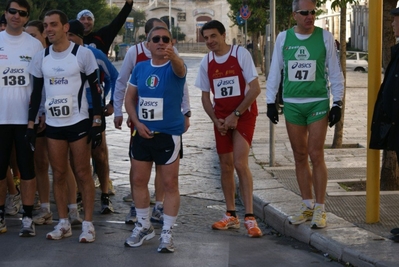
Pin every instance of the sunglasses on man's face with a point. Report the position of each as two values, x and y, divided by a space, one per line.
306 12
14 11
156 39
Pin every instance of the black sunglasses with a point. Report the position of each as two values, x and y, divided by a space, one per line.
14 11
306 12
156 39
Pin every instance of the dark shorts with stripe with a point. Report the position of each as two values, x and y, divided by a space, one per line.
70 133
163 149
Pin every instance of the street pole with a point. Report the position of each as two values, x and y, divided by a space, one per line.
170 18
272 154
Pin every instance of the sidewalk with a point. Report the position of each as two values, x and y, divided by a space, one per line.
276 195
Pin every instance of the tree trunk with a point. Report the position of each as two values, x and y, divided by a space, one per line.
389 168
339 127
255 49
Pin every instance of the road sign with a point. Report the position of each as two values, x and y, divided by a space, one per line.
245 12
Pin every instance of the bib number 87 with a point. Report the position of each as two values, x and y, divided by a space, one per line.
225 91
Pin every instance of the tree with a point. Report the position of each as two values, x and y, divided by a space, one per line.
178 34
389 168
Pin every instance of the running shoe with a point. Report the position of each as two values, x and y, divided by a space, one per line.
157 214
166 244
3 226
319 219
28 227
139 234
252 227
304 214
13 204
88 234
74 217
43 217
227 222
128 198
106 205
131 217
61 230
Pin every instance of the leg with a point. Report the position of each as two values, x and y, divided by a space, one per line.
81 163
141 177
100 156
240 154
298 136
170 178
41 169
317 136
58 156
227 179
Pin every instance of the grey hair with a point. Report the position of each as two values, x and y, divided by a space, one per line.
295 4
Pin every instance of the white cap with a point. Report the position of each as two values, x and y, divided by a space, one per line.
85 12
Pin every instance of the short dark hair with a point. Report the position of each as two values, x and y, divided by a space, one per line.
213 24
36 23
155 29
22 3
62 15
150 24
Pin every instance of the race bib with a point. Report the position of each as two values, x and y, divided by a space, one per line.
301 70
14 76
59 106
150 109
226 87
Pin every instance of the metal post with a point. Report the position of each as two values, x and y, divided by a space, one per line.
374 82
170 17
272 39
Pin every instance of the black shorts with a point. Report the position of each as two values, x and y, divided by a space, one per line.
70 133
103 124
10 135
163 149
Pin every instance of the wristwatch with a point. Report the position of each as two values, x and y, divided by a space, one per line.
99 121
237 113
188 114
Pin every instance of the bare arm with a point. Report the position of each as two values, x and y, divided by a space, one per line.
250 97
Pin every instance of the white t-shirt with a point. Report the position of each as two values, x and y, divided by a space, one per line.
66 102
16 53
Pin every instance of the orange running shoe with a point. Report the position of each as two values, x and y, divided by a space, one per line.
252 227
227 222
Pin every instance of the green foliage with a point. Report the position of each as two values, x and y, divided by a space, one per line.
178 34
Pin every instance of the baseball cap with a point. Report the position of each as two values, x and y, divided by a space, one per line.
395 12
85 12
76 27
3 19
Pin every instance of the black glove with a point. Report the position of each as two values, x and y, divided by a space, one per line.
95 136
30 138
272 113
334 116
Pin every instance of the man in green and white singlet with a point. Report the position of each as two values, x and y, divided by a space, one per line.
311 73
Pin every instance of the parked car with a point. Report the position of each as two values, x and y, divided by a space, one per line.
357 61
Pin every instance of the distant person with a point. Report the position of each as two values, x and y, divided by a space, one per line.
229 73
116 49
384 127
104 37
311 67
